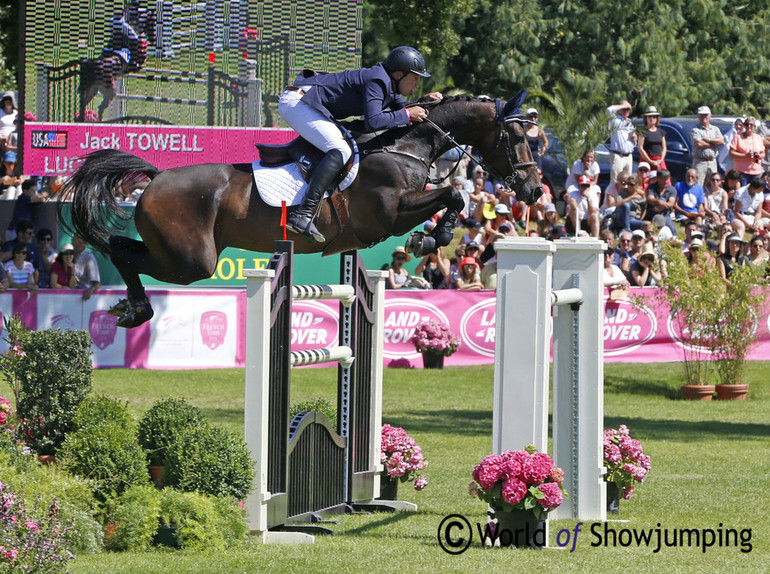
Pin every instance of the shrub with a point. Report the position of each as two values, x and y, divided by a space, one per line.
318 404
132 519
163 422
202 522
97 409
106 452
53 377
209 460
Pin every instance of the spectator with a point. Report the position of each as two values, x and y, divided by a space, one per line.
748 211
434 268
664 231
557 232
8 117
44 258
691 231
474 231
613 276
645 271
706 139
724 160
732 183
586 165
501 214
696 253
758 255
611 194
661 198
747 150
473 250
536 138
24 233
763 129
63 269
550 218
21 273
630 205
397 275
643 175
537 210
3 279
54 185
22 208
86 268
652 141
583 207
716 201
731 258
622 139
624 252
690 198
469 278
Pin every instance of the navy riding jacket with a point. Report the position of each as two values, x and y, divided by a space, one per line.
367 92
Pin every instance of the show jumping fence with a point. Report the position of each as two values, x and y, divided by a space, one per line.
230 101
304 466
212 25
536 277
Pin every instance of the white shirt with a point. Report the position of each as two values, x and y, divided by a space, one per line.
583 201
749 203
578 169
86 269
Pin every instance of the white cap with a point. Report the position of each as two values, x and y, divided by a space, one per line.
502 209
704 110
638 233
532 112
643 164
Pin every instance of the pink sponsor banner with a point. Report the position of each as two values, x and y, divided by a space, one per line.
205 328
53 149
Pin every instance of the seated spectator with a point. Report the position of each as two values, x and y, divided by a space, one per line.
661 197
24 233
716 201
643 175
611 194
397 275
502 214
557 232
44 258
587 166
434 268
645 271
758 255
731 184
473 250
63 269
537 211
690 198
696 253
474 231
613 276
583 207
22 207
550 218
748 208
469 278
475 198
731 258
21 273
630 205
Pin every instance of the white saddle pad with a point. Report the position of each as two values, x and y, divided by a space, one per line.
285 183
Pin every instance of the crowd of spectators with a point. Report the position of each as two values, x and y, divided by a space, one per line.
721 207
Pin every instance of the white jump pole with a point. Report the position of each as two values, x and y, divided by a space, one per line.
534 277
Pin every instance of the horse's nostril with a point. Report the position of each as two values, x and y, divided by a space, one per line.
537 194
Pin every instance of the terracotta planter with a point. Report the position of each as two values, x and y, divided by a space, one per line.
697 392
432 361
156 474
46 459
733 392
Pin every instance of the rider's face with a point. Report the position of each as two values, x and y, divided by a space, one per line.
408 84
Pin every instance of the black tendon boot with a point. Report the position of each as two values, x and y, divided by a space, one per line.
301 220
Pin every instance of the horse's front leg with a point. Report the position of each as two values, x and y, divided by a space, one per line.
421 244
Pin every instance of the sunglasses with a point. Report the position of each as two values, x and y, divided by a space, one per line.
22 252
46 238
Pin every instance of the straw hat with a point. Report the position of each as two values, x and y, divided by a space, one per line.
647 249
651 111
401 251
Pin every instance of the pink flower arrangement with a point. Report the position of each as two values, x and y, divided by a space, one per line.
624 459
518 480
434 337
402 456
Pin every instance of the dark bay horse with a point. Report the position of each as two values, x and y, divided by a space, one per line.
187 216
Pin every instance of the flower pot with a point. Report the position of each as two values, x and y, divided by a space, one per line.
166 536
432 361
519 528
46 459
697 392
614 493
732 392
156 474
388 488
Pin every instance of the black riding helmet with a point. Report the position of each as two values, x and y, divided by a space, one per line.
405 59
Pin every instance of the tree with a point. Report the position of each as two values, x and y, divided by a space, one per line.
9 43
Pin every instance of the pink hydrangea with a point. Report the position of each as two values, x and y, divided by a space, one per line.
537 468
624 459
557 475
400 454
432 336
514 490
420 483
552 496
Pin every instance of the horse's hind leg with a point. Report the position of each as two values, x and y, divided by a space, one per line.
128 256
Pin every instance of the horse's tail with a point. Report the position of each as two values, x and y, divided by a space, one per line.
96 214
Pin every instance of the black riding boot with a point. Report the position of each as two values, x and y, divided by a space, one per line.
301 220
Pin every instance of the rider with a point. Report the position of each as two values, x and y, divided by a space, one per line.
315 100
126 40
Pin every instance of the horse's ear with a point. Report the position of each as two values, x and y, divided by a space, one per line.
512 105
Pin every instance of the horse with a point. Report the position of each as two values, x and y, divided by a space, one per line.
186 216
132 32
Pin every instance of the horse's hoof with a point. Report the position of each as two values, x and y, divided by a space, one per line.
136 315
420 244
119 309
